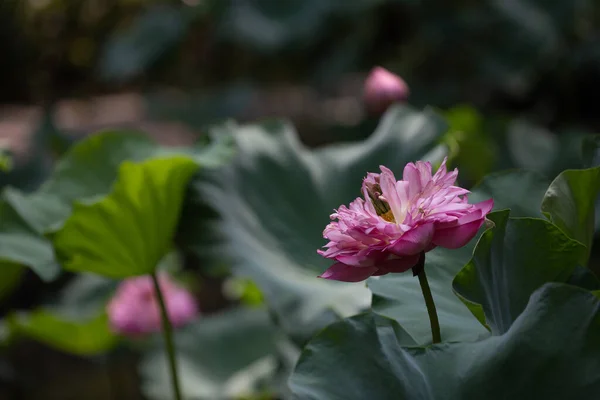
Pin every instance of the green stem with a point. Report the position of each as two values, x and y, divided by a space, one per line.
433 318
168 334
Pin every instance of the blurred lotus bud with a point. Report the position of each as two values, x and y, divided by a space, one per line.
134 310
382 89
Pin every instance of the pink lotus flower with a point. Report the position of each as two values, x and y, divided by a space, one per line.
397 221
134 310
382 89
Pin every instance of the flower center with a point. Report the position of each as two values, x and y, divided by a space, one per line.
382 208
388 216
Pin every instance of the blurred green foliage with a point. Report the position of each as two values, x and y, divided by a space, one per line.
514 78
532 56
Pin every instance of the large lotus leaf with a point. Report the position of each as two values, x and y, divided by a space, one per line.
532 147
128 232
536 149
74 320
221 356
509 263
590 151
21 244
11 276
90 168
84 296
591 158
87 172
585 278
551 351
131 52
87 294
520 191
470 147
275 199
399 296
203 108
506 43
570 201
270 26
88 336
27 171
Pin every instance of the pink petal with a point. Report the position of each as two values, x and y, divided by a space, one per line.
442 170
412 176
485 206
414 241
380 272
402 192
347 273
387 181
424 172
399 264
442 177
457 236
430 247
355 260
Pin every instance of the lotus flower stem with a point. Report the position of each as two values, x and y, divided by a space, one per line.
168 335
419 270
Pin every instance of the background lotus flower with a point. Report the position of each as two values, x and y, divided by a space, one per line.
135 310
382 89
396 221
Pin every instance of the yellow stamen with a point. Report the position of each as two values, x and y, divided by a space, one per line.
388 216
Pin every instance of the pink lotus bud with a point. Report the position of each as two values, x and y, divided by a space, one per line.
396 221
382 89
134 310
